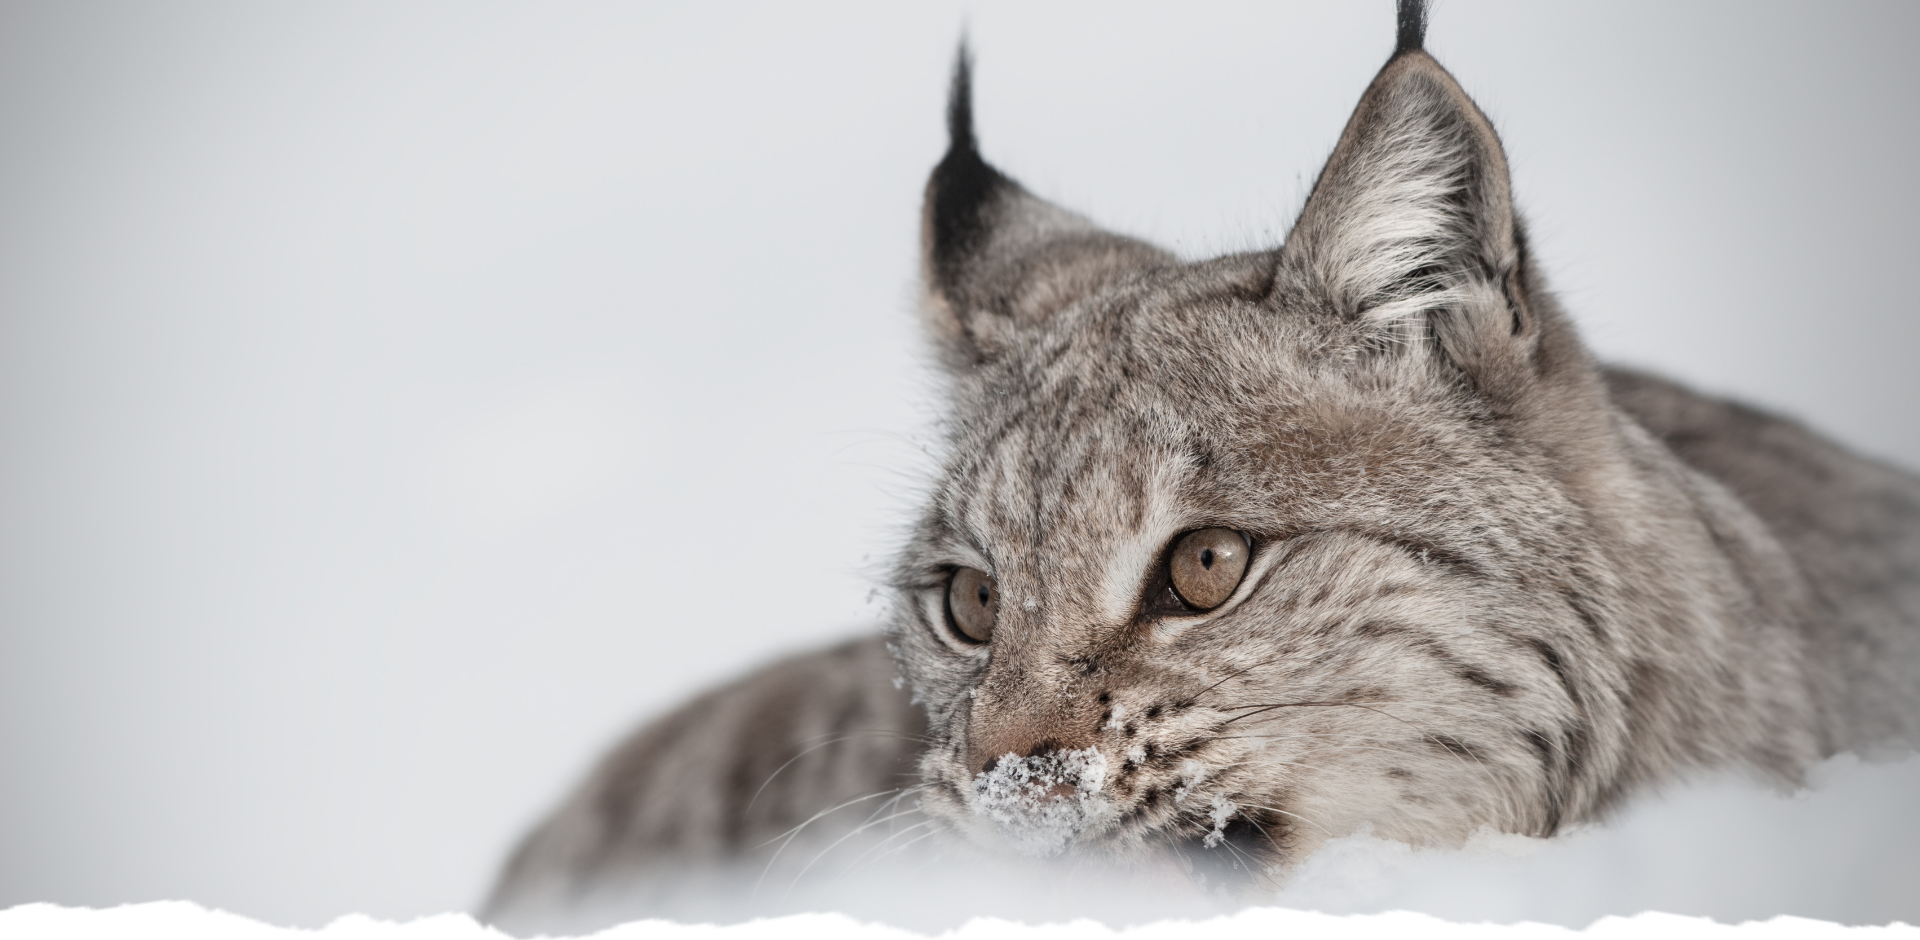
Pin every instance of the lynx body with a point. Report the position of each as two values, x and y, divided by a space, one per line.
1486 584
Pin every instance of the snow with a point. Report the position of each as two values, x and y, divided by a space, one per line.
1845 849
1710 855
1041 803
179 919
1222 810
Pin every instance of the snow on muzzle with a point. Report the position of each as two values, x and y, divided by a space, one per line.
1043 802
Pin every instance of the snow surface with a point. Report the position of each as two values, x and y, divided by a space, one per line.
179 919
1847 850
1712 854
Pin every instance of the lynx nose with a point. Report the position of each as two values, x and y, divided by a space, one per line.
1040 749
988 755
998 729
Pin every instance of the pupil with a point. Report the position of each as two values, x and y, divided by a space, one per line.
985 595
1206 558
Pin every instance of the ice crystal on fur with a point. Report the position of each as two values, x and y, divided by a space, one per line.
1192 772
1223 810
1043 802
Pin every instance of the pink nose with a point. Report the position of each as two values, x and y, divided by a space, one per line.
995 732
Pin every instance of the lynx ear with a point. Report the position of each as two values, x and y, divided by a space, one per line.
997 259
1410 230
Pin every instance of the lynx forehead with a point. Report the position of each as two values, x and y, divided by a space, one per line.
1455 587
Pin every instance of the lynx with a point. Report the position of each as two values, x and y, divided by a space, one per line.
1230 557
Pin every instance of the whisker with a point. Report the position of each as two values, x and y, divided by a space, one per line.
1274 809
1256 824
790 833
1399 747
1424 733
939 856
1443 706
893 802
1195 697
1261 709
836 844
793 833
881 846
833 737
1249 864
1508 801
910 843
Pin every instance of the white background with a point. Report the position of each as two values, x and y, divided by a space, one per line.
399 400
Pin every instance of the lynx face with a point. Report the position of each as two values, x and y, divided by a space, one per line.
1450 545
1390 654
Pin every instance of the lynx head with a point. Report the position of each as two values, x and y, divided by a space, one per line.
1270 547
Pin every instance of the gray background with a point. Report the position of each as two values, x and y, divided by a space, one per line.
397 401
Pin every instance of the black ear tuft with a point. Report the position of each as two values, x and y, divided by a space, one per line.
997 259
1413 26
963 184
960 102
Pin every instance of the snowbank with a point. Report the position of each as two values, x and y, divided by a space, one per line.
170 919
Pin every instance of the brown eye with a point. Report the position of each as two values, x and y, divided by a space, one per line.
1207 565
973 602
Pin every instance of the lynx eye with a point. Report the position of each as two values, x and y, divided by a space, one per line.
1207 565
973 603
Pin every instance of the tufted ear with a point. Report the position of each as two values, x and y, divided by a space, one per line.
1410 230
997 259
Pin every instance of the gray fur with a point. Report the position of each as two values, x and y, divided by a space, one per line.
1492 584
691 807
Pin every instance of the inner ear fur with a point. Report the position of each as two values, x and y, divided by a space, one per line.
1410 232
997 259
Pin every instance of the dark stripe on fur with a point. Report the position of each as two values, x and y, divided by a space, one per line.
1420 640
1544 748
1552 658
1583 608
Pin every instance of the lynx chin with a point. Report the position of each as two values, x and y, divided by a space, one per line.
1229 557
